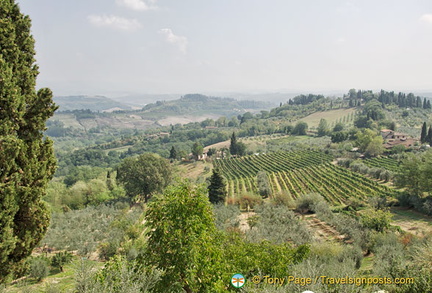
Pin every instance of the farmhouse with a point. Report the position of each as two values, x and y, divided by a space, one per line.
393 138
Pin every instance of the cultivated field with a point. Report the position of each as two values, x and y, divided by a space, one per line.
331 116
299 173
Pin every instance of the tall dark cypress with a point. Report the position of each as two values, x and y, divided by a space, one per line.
423 134
27 162
233 145
429 135
217 187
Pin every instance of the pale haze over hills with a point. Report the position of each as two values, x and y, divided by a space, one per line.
123 47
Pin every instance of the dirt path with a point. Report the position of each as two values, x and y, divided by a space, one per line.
412 221
244 225
323 231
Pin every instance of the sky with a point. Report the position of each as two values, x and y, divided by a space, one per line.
115 47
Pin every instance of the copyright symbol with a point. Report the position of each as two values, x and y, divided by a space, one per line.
256 279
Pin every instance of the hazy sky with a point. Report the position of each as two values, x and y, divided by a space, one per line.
189 46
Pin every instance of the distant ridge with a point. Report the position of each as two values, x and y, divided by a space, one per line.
92 103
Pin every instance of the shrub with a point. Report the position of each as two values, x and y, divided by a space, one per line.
307 202
263 184
354 203
39 268
278 224
249 200
283 198
60 259
107 249
226 216
345 162
386 176
377 220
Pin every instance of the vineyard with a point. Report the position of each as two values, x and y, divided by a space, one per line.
383 162
299 173
249 166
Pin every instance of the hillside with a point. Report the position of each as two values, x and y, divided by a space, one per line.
189 108
197 104
92 103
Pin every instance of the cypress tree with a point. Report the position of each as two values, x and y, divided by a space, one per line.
423 133
216 188
173 153
429 136
233 144
27 161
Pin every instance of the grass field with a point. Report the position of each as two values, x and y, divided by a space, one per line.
412 221
55 282
69 120
331 116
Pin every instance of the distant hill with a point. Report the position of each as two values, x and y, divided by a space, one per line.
202 104
92 103
189 108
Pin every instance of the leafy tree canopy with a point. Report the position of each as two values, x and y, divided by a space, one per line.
182 241
144 175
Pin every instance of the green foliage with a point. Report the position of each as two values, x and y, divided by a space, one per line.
226 216
338 127
27 162
84 229
182 241
247 201
278 224
264 257
323 128
237 148
423 135
173 153
364 138
119 275
81 173
263 182
60 259
308 202
283 198
211 152
85 276
377 220
339 136
375 147
39 268
390 163
197 150
416 173
217 187
300 128
144 175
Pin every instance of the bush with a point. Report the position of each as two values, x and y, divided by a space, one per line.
377 220
60 259
278 224
39 268
249 200
283 198
386 176
226 216
354 203
307 202
345 162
